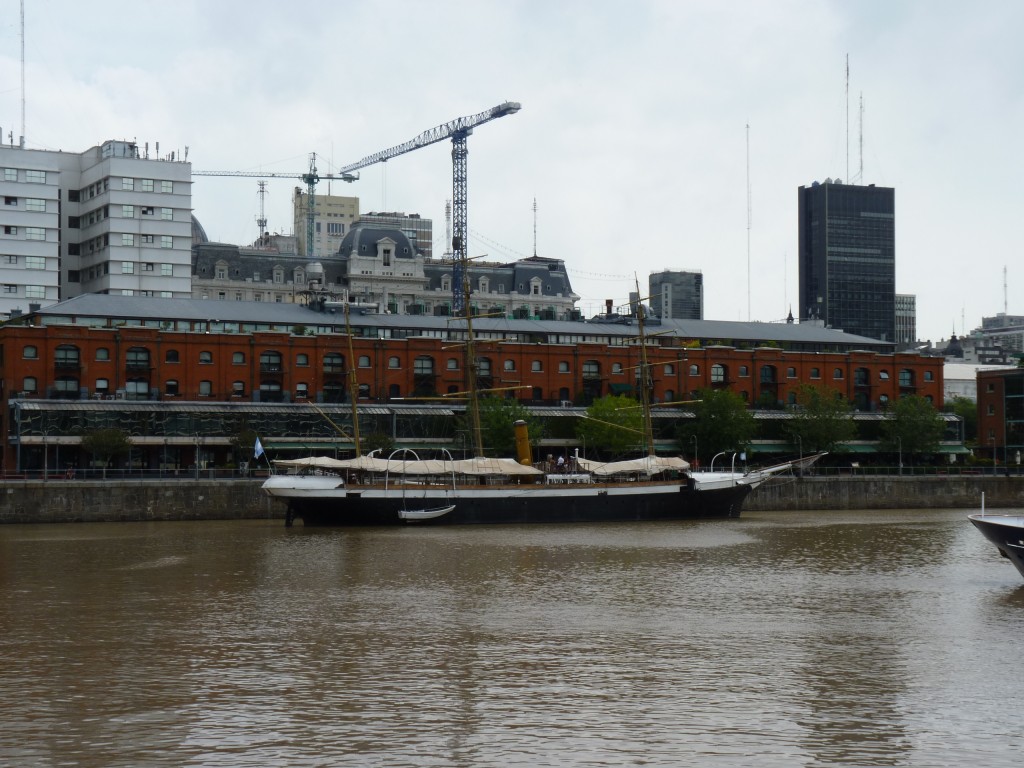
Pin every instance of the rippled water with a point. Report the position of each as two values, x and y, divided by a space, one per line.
781 639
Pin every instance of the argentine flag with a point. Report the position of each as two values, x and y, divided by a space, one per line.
258 450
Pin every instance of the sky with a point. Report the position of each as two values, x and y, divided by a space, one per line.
654 134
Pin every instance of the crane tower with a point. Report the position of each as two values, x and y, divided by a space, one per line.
458 131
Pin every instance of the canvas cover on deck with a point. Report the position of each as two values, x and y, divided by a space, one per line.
648 465
477 466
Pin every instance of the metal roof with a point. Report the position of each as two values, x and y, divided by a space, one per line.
275 314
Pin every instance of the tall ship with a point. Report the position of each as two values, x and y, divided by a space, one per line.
401 489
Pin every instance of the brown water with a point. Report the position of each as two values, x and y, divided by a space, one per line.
780 639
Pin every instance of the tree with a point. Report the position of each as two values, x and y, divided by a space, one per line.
497 425
967 410
822 419
244 443
377 441
914 426
106 444
721 423
614 425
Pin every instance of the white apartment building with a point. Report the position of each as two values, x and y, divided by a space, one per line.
107 220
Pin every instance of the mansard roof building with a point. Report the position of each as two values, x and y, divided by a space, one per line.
378 267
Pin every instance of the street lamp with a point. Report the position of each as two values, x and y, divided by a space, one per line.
899 447
695 460
995 461
800 443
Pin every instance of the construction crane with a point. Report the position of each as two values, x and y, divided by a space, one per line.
309 178
458 131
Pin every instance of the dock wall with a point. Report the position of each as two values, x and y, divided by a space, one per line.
68 501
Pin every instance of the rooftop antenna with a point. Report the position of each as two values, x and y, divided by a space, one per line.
261 222
535 227
748 222
23 74
847 116
860 173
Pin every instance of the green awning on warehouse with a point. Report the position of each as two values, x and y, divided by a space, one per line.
620 389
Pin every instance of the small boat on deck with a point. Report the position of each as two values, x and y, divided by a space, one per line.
1006 532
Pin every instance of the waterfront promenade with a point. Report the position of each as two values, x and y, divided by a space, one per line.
238 498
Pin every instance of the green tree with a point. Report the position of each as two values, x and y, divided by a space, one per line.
721 423
967 410
498 416
614 425
822 420
243 444
106 444
914 427
377 441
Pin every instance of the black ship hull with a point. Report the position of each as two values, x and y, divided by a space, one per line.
585 503
1006 532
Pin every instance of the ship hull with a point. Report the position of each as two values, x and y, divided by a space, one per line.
508 504
1006 532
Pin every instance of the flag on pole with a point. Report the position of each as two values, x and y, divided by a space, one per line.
258 449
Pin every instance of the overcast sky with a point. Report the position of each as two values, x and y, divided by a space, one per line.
632 137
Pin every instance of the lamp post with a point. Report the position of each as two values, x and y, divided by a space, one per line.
800 443
899 448
695 460
995 461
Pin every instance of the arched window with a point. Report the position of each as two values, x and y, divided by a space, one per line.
563 366
302 360
270 391
837 374
66 387
301 391
453 364
238 358
670 369
136 389
768 374
815 373
483 366
334 363
206 358
616 369
423 366
694 370
30 353
29 385
170 387
102 387
591 369
906 377
670 395
66 357
205 388
364 361
270 362
137 358
394 362
238 389
717 373
102 353
171 356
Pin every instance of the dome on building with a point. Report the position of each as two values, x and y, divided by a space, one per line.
198 233
362 240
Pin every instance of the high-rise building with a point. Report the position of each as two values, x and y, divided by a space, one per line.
847 249
906 321
677 295
107 220
333 217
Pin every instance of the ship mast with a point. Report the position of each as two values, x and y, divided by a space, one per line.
645 393
353 384
471 366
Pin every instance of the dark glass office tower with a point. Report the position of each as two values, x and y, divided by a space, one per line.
848 258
